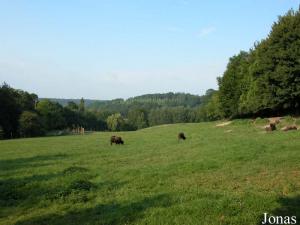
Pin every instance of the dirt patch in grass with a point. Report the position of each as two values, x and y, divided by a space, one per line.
223 124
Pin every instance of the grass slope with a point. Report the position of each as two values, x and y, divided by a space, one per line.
220 175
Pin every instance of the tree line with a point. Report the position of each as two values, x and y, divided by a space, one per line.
23 114
265 81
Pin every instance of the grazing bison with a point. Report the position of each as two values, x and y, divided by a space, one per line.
117 140
290 127
270 127
181 136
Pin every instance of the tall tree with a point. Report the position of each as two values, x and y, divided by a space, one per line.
275 86
231 84
10 111
138 118
81 105
115 122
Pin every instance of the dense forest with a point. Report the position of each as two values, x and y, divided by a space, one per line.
65 101
145 102
264 81
23 115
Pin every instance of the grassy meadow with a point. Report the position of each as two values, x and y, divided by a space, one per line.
220 175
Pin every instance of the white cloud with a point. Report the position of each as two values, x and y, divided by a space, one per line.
206 31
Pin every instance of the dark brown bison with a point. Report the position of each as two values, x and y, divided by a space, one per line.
270 127
117 140
181 136
290 127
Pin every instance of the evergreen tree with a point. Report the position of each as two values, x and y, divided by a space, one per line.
81 105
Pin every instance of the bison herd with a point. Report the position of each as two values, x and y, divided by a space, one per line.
118 140
181 136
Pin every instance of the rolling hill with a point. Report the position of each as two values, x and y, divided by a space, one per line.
228 174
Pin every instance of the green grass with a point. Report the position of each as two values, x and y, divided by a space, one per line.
219 175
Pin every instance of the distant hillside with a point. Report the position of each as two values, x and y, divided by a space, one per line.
149 101
156 106
64 101
168 99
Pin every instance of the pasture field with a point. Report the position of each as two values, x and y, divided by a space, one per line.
220 175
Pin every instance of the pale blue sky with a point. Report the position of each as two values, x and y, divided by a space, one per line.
108 49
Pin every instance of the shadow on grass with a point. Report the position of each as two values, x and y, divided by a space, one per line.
36 161
289 206
112 214
72 185
16 190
